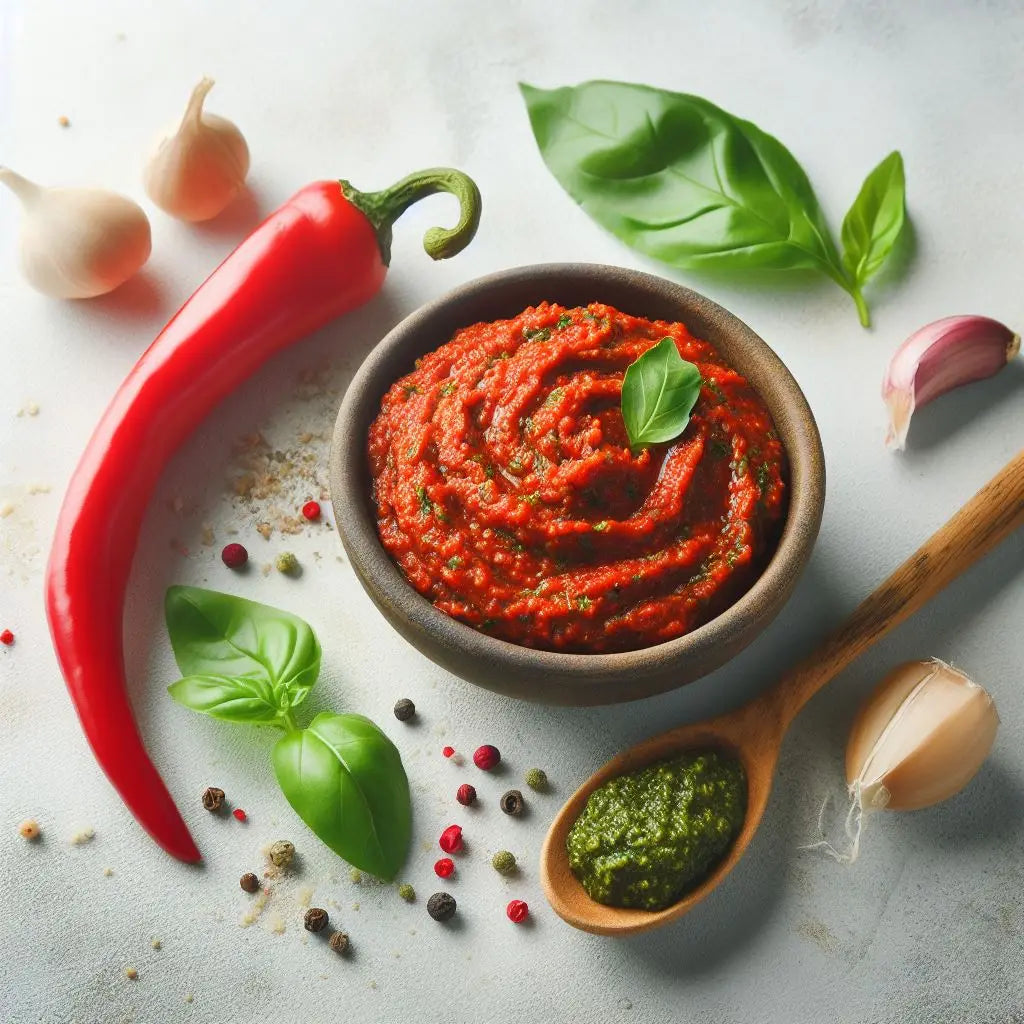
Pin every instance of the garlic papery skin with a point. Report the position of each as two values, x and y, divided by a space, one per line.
939 357
200 165
919 738
77 243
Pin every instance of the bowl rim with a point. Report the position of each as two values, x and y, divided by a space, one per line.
383 579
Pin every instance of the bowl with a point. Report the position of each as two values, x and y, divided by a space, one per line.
545 676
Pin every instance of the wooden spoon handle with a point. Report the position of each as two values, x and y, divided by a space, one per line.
990 516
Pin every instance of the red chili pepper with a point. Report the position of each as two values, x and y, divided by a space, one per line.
321 254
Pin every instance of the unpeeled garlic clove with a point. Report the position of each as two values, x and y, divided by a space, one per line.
939 357
78 242
200 165
919 738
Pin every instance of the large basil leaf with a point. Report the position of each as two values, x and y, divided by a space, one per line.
345 779
659 391
241 660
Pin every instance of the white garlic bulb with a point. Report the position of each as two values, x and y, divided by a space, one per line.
200 165
78 242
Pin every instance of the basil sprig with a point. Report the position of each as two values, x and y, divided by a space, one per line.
247 662
659 391
688 183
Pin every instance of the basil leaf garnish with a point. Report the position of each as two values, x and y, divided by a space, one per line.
241 660
682 180
659 391
345 779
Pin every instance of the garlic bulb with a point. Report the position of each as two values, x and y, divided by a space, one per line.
939 357
78 242
200 165
920 737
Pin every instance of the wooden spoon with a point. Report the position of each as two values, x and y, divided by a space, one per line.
754 732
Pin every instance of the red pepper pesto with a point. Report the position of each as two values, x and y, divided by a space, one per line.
507 492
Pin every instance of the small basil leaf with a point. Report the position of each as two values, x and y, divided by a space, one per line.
232 698
659 391
215 634
345 780
875 220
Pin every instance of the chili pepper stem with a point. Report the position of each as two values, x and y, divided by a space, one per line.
383 208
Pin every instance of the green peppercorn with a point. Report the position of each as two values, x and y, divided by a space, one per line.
356 875
407 892
512 802
404 709
442 906
537 778
281 853
504 862
315 919
286 563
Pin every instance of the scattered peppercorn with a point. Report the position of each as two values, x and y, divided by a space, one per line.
504 862
311 510
444 868
407 892
281 853
213 798
131 974
486 757
249 882
6 638
287 563
356 875
442 906
64 121
239 815
451 839
512 802
448 751
466 794
339 943
29 830
315 920
517 911
404 709
234 556
537 778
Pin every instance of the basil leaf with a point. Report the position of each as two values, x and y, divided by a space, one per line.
219 636
345 780
659 391
874 223
232 698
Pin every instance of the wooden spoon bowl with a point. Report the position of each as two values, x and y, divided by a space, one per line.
753 733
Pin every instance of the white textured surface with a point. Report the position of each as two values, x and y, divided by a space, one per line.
927 926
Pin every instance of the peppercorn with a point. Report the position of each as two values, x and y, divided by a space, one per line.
311 510
356 875
29 830
486 757
444 868
213 798
287 563
466 794
451 839
404 709
6 638
512 802
315 919
537 778
442 906
447 751
234 556
281 853
407 892
239 815
517 911
131 974
339 943
504 862
249 882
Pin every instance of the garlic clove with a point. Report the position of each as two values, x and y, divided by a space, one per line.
939 357
920 737
200 165
77 243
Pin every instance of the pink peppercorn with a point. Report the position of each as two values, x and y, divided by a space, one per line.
466 794
451 839
444 868
239 814
486 757
517 911
448 751
6 638
311 510
234 556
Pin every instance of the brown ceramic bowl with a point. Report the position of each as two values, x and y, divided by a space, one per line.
573 679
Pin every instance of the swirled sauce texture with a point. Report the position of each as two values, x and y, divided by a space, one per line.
507 492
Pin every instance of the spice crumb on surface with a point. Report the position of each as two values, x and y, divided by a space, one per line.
356 875
30 830
252 915
131 974
82 836
108 872
38 488
156 944
189 997
6 509
64 121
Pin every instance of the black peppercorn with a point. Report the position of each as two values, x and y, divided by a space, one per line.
441 906
404 709
315 919
249 882
213 798
339 942
512 802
